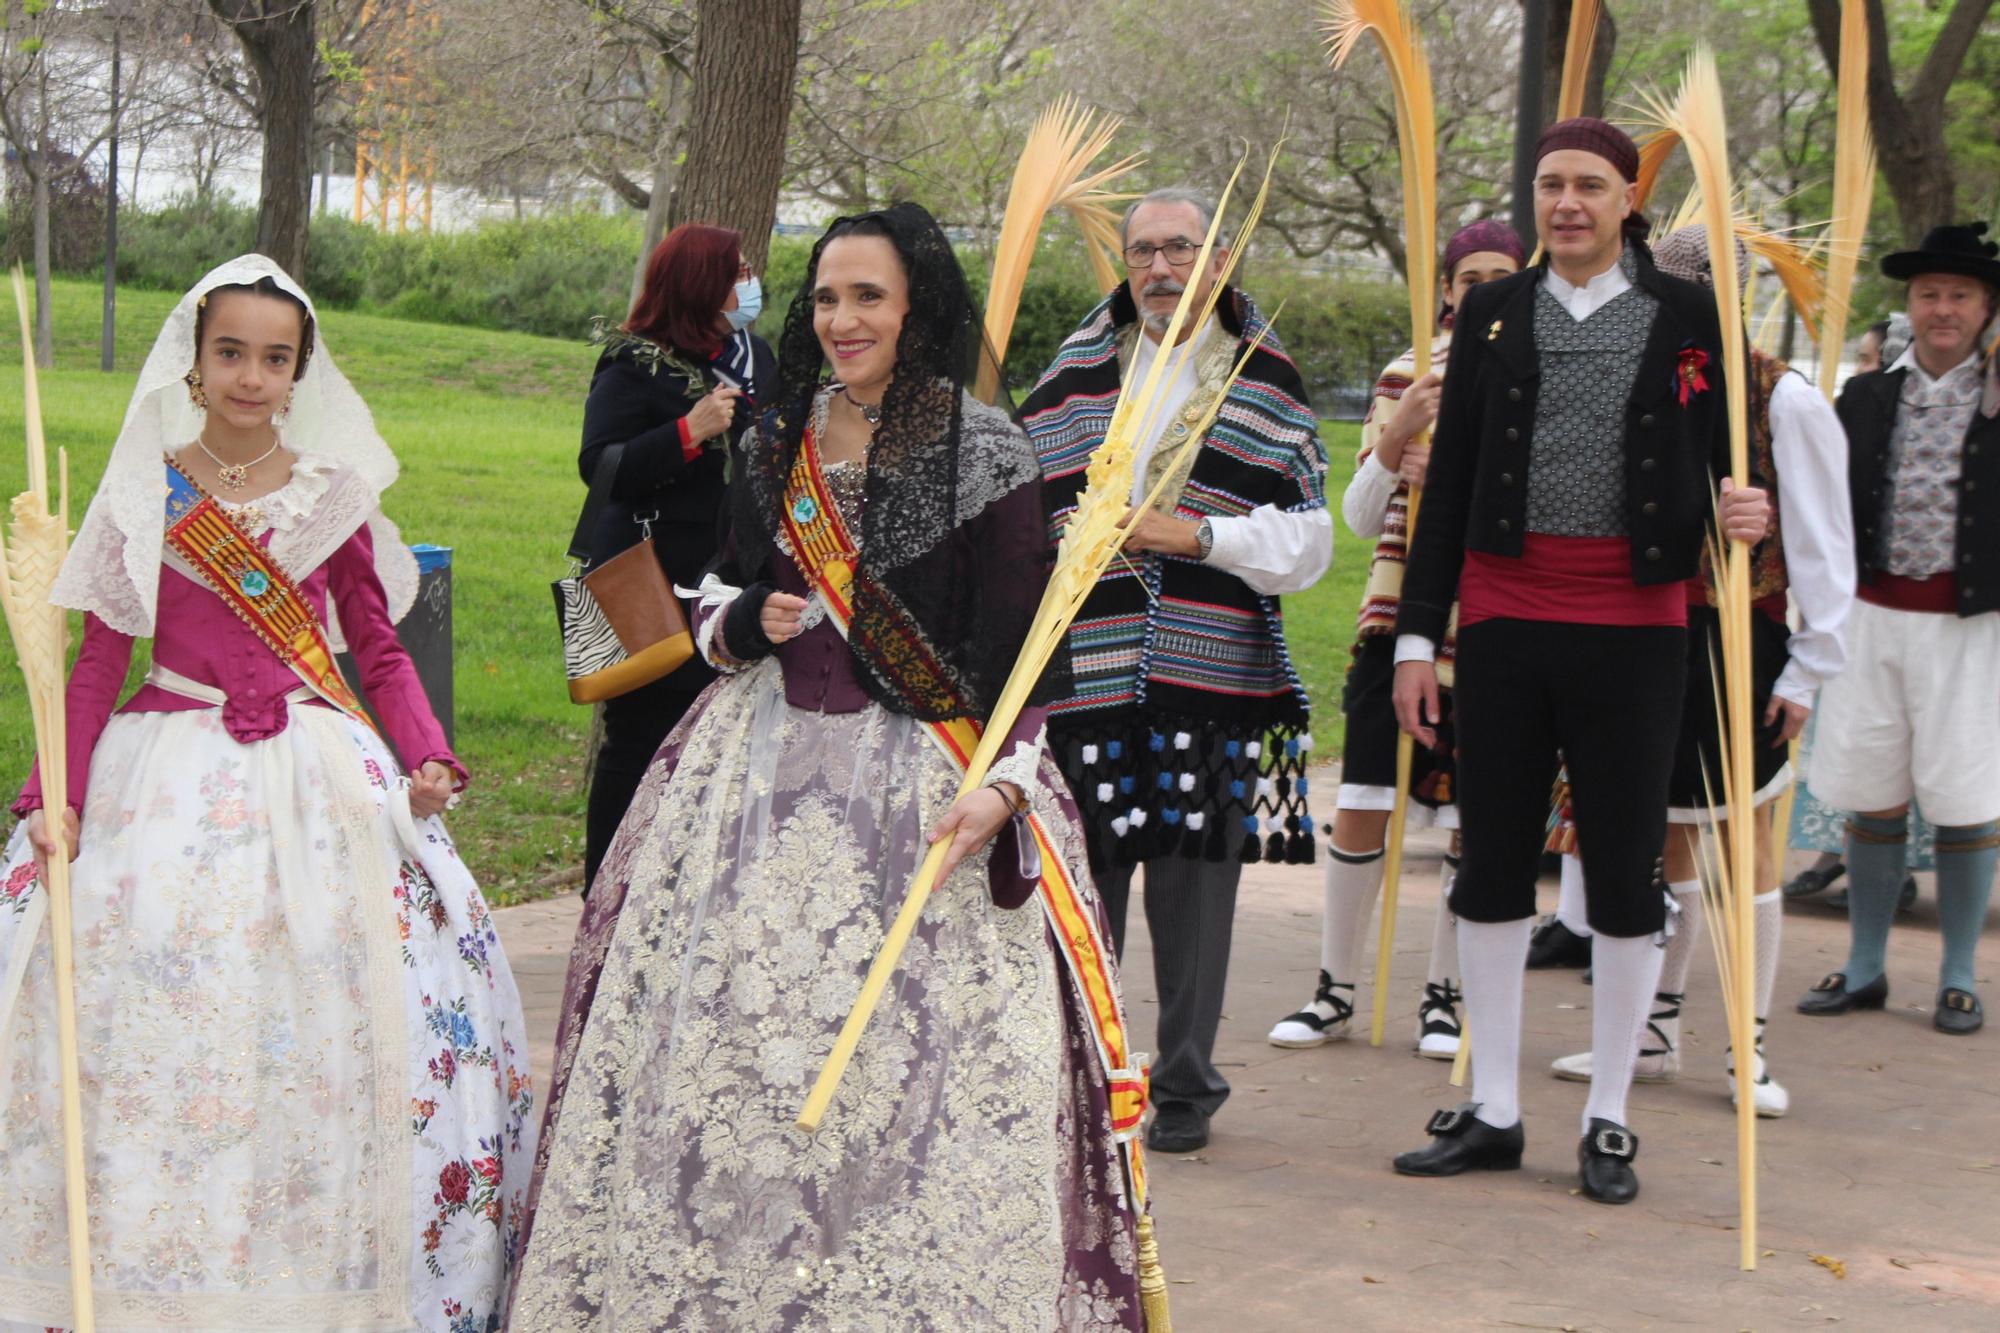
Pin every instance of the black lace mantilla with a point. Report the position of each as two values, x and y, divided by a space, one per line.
952 498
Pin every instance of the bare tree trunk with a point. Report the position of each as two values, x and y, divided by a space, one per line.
660 203
45 337
277 37
1909 127
745 53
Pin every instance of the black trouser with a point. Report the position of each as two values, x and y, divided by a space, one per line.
1608 698
634 726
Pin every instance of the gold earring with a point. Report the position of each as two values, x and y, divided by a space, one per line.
284 413
196 393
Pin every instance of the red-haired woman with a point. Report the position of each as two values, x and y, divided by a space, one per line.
676 384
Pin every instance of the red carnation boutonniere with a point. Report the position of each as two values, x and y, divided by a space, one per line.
1688 377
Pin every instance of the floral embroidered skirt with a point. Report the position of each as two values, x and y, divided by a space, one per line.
964 1175
304 1066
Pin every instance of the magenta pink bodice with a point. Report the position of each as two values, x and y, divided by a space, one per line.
198 636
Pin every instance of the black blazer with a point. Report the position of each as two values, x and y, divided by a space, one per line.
1476 494
1867 409
633 404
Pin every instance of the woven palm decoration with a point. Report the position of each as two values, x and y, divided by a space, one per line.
32 546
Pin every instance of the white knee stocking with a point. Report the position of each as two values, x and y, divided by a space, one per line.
1444 935
1494 958
1352 881
1571 908
1625 974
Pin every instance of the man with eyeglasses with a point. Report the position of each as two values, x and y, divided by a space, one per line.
1183 735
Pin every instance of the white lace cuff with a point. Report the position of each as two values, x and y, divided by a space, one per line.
713 596
1019 767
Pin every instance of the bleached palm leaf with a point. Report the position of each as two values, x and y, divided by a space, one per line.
1695 114
1853 187
1582 43
1054 171
31 553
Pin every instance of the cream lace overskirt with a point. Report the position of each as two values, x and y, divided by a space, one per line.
954 1176
305 1084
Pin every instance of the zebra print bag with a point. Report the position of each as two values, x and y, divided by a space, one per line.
622 626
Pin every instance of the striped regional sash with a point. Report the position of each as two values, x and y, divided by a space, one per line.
255 587
826 554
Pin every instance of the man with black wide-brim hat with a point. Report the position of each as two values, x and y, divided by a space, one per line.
1917 712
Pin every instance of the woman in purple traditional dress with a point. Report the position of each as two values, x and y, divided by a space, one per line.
968 1173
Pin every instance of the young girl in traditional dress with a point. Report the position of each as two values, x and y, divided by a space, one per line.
975 1168
305 1089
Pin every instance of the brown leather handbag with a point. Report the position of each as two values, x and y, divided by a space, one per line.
622 626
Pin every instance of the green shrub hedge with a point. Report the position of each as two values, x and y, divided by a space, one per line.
552 273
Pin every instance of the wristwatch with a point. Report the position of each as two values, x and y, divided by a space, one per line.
1204 539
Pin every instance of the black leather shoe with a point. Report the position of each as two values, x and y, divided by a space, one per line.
1177 1127
1813 880
1555 945
1906 898
1831 996
1604 1159
1462 1142
1958 1012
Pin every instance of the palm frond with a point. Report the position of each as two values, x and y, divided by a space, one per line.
1583 15
1695 115
1054 171
1853 188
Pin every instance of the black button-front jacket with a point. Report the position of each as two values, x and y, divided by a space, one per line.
1867 409
639 404
1476 494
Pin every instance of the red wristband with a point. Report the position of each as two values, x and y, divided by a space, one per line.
690 447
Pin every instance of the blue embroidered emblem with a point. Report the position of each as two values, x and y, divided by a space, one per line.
805 509
254 583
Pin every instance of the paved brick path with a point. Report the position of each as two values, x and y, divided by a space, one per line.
1291 1220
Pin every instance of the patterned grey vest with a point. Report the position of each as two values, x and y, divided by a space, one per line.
1576 463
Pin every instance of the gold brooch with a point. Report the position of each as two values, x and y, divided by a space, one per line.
1493 330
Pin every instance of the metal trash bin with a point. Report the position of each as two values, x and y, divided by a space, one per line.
426 636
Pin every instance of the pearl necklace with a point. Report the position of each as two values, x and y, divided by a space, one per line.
233 476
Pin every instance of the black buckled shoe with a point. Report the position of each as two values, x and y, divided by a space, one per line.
1958 1012
1832 996
1460 1142
1604 1160
1555 945
1177 1127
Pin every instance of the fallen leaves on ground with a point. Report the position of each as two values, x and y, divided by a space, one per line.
1830 1264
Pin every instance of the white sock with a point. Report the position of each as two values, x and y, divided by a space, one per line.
1571 908
1352 881
1494 957
1678 956
1769 909
1625 974
1444 935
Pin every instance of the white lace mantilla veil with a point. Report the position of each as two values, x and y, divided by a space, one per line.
113 568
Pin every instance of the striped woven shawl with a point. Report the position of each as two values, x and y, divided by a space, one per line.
1179 648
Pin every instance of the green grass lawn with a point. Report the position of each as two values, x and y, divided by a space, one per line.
486 425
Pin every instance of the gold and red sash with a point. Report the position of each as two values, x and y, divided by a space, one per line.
256 588
826 553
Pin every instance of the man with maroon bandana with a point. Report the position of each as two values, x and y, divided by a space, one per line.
1583 426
